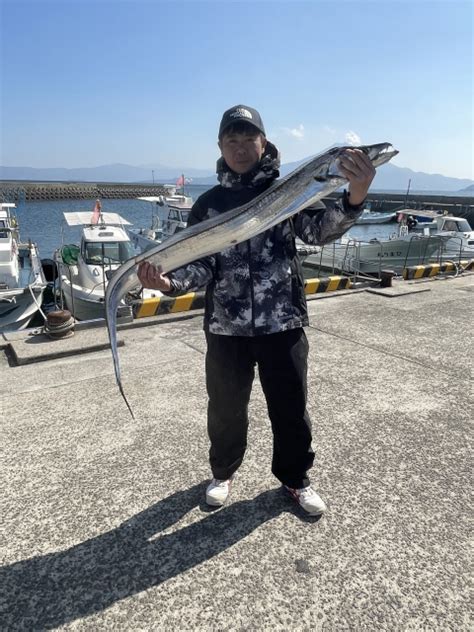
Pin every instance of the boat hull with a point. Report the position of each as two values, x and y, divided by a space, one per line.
87 304
371 258
17 310
376 218
18 305
79 302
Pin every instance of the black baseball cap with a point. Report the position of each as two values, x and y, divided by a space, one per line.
241 114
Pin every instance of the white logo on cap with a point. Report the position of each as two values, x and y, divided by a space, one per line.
239 112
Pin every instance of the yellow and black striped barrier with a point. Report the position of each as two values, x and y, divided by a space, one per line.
167 304
327 284
432 269
195 300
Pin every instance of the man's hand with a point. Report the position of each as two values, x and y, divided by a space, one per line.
151 277
357 168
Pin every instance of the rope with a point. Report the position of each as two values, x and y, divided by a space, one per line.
60 330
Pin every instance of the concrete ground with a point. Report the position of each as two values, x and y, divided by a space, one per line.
103 520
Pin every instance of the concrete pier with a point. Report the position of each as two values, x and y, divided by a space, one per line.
103 521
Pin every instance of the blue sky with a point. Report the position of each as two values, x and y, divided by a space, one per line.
146 82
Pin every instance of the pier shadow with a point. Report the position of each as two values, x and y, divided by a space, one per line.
48 591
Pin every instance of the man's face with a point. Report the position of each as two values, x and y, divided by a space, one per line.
242 151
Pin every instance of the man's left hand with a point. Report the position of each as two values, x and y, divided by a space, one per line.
358 169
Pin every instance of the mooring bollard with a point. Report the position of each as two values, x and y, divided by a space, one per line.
386 277
59 324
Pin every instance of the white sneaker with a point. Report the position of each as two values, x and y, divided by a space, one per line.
217 492
308 499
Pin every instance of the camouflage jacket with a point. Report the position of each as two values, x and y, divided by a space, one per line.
257 286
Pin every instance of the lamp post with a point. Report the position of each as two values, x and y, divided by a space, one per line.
153 176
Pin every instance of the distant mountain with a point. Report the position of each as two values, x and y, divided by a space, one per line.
389 177
105 173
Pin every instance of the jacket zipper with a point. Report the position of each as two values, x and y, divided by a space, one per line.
252 296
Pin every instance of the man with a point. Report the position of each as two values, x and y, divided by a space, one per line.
256 308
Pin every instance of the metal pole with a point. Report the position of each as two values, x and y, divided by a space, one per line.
408 191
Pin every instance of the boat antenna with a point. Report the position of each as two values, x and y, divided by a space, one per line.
408 191
97 213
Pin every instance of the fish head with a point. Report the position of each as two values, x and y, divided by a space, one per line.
378 154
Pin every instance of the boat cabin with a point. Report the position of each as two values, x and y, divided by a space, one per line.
105 245
9 260
431 222
168 218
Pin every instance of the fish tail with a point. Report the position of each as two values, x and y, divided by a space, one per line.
122 392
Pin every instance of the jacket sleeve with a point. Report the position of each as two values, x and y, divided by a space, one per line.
320 225
196 274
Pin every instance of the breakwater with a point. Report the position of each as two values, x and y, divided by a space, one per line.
29 191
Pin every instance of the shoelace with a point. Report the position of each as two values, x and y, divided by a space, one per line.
219 483
306 492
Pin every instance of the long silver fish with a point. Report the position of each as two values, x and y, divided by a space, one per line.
304 186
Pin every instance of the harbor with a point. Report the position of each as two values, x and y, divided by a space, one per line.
25 191
104 520
85 248
236 316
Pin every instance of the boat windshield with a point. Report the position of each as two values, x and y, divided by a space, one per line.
3 232
464 226
107 252
184 216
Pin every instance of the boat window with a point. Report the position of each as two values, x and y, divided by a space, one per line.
173 215
464 226
113 252
184 216
3 233
450 225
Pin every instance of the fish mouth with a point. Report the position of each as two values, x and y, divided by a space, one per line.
378 154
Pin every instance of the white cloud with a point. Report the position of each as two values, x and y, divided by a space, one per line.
294 132
352 138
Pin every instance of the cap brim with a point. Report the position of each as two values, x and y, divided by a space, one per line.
242 120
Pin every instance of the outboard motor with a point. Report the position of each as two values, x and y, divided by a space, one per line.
50 270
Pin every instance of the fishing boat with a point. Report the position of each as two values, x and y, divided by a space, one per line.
370 217
400 250
85 269
22 281
169 216
460 236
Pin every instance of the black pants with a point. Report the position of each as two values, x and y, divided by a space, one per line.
282 364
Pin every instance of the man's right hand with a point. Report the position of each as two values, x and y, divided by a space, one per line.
150 277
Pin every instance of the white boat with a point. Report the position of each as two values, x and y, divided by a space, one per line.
84 270
400 250
460 236
22 281
370 217
169 216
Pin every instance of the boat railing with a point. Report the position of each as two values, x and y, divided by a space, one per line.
338 257
424 254
451 249
347 256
